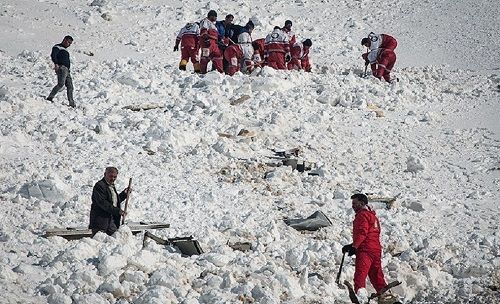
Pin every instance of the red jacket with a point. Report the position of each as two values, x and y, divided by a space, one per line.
366 231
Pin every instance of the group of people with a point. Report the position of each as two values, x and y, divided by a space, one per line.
230 47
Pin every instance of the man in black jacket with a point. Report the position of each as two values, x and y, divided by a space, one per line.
60 57
105 212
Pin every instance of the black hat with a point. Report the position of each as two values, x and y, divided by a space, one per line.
365 41
307 42
288 22
212 13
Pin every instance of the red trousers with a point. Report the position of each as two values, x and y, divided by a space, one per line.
211 53
189 52
368 264
385 63
232 54
276 60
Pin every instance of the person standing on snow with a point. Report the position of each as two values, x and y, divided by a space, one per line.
277 49
105 211
188 37
380 56
208 42
300 56
62 64
287 29
240 54
366 245
223 27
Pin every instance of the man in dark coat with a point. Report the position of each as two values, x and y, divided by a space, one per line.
105 212
62 64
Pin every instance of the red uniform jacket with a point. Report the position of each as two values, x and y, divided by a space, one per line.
300 58
208 33
366 231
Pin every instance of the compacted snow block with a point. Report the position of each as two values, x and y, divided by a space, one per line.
48 190
314 222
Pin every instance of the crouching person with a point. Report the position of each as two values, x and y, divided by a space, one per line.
300 56
105 211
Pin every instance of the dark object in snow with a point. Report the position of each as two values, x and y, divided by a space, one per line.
240 246
314 222
352 294
393 300
386 298
186 245
81 232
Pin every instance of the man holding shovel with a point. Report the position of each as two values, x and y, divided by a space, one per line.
105 211
366 245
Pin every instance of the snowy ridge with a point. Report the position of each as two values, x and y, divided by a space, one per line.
432 138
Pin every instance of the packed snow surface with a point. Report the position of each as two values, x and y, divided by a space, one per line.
431 140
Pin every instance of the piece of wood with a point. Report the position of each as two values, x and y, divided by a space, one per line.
239 100
143 107
126 201
81 232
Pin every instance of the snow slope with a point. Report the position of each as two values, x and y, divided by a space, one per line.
436 146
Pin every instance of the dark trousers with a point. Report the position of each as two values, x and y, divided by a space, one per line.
63 79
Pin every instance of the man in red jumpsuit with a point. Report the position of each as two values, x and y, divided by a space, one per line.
208 42
277 48
366 245
300 56
381 54
188 38
240 54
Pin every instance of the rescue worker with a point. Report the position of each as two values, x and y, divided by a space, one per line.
240 54
223 27
258 54
208 42
288 30
188 37
365 245
277 48
381 62
300 56
380 54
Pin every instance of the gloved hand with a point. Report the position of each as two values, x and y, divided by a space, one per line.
349 249
176 48
288 57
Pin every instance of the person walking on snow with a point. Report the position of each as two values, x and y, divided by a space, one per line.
188 38
62 64
300 56
240 54
277 49
208 42
366 245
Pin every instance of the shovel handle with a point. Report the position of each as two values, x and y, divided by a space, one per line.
126 200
